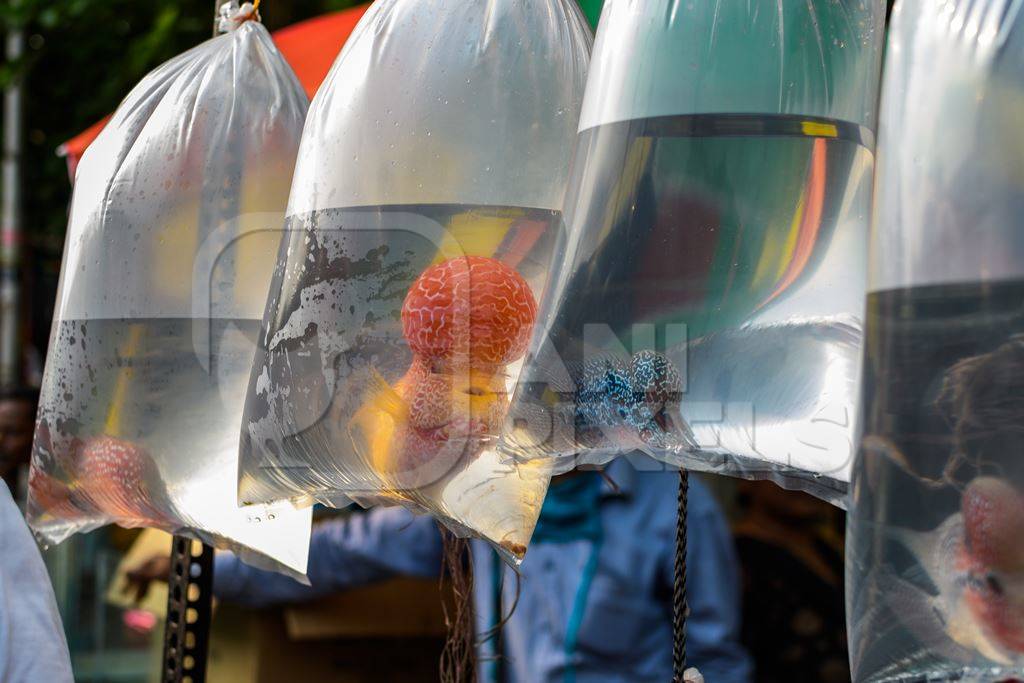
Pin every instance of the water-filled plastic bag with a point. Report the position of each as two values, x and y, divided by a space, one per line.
935 563
421 225
171 245
708 299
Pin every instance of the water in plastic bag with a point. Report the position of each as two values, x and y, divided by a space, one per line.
423 216
170 249
935 565
707 304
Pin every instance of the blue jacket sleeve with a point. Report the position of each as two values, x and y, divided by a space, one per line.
713 626
345 553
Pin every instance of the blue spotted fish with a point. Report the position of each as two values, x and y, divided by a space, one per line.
631 403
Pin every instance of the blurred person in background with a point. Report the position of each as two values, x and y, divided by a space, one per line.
17 423
790 547
594 596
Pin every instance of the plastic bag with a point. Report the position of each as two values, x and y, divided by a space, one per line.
171 245
708 299
422 220
935 565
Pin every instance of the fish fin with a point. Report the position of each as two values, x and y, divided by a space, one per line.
927 617
887 449
964 629
942 624
934 550
386 399
372 428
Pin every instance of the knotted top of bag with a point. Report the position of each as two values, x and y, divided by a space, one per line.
231 15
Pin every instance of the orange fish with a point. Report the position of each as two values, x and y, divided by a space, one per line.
49 495
418 429
115 477
465 320
474 309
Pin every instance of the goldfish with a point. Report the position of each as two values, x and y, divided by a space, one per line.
465 320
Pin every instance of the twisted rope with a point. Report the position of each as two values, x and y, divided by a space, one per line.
458 660
679 606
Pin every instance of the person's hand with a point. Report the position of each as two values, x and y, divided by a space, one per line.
156 568
691 675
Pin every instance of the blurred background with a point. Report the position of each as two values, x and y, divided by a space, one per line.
79 59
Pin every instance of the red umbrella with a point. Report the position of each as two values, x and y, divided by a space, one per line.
309 46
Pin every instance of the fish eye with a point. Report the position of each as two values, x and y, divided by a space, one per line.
973 582
994 584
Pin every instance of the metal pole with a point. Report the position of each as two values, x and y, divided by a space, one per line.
189 612
10 222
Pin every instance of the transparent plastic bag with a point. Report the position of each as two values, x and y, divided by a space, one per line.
708 299
935 566
170 249
422 220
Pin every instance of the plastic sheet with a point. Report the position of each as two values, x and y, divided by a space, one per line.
717 219
935 564
422 220
170 249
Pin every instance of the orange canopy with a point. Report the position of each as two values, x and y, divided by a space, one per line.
309 46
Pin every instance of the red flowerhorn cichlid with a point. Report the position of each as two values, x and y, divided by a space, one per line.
975 561
465 320
117 477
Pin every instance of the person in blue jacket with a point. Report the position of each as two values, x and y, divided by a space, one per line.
595 593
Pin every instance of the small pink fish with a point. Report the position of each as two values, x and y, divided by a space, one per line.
50 496
976 563
114 477
992 556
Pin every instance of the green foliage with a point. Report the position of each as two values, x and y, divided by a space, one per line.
592 10
81 58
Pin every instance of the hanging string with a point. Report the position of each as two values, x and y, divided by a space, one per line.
458 663
679 606
230 15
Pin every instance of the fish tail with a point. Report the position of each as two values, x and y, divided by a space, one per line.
374 426
386 399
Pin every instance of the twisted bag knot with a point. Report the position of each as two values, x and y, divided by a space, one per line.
232 15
